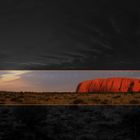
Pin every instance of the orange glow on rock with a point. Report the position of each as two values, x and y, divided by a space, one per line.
110 85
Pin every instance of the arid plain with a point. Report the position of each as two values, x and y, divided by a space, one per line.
72 98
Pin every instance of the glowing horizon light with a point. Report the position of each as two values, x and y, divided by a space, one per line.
12 75
54 80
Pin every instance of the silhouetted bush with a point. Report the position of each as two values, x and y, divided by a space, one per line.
78 101
131 121
30 115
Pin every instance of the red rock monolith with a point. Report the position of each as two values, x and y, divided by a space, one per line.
116 84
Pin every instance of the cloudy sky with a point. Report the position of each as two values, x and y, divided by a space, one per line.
61 34
53 81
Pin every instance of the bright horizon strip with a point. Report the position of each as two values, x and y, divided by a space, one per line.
54 80
12 75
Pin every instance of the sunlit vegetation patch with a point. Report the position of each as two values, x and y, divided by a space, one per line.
68 98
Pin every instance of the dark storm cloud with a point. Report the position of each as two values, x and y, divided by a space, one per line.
40 34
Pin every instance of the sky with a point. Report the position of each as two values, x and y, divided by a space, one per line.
61 34
53 80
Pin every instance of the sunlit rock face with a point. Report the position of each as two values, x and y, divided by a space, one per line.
120 84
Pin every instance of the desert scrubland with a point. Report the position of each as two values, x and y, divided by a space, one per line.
69 98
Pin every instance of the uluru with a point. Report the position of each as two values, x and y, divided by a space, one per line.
114 84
